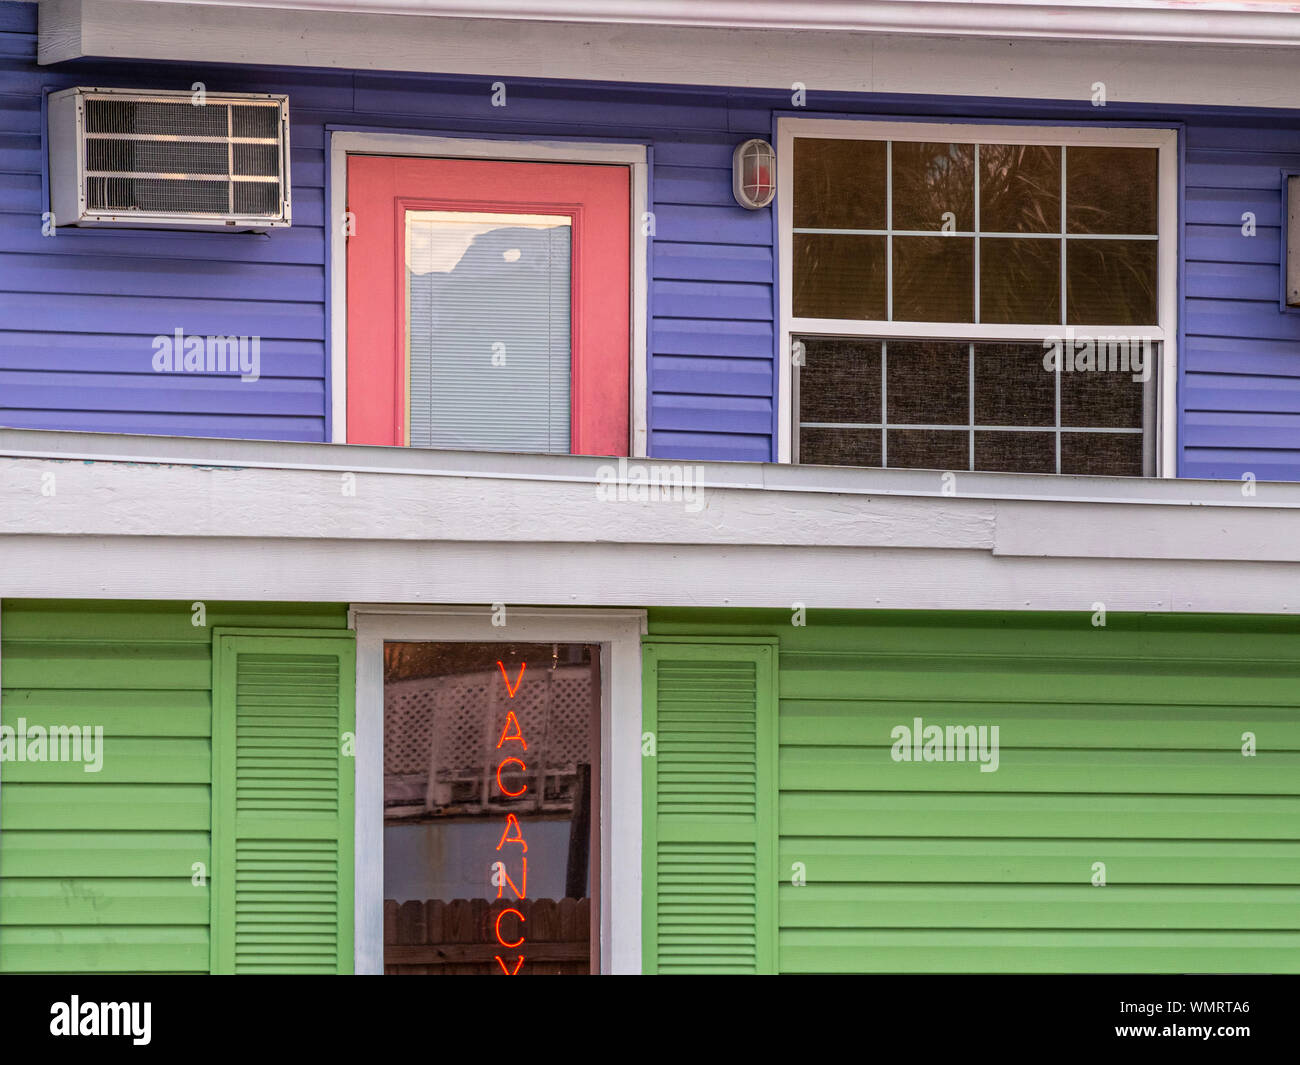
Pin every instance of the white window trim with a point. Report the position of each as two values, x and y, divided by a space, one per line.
1165 331
345 143
618 632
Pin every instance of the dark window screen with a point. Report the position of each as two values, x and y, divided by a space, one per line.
961 405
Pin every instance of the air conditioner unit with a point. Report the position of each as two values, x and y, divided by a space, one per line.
174 160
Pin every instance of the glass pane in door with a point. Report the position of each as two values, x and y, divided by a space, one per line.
490 824
488 330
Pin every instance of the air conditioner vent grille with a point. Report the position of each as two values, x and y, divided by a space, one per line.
152 194
163 157
118 155
138 116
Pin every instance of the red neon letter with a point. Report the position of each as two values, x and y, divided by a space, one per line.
511 794
519 733
518 680
509 946
506 837
518 965
505 879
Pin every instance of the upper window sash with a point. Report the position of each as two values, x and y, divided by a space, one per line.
1163 140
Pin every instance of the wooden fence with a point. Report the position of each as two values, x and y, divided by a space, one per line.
458 937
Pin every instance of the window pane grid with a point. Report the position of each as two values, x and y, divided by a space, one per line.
884 404
922 439
967 426
1115 286
1065 154
975 280
889 235
974 233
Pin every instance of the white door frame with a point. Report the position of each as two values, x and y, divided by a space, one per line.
618 632
344 143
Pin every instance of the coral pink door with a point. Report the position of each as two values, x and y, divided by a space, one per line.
488 305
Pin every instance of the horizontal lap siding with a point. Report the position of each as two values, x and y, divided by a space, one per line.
78 311
1119 745
96 868
939 866
712 377
1240 358
710 299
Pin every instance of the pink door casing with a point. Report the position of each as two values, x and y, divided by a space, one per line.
382 189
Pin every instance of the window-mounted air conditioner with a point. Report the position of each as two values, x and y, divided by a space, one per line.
175 160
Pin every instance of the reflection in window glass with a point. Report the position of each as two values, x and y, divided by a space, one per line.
1020 280
933 279
1010 241
1020 188
839 276
1111 282
489 817
934 186
839 184
1111 190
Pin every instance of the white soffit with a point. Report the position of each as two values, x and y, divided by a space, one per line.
1203 55
1210 21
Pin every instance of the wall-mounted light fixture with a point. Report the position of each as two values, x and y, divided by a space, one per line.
753 174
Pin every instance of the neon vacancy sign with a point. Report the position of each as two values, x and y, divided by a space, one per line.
512 832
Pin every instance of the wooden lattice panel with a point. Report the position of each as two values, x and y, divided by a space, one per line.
440 733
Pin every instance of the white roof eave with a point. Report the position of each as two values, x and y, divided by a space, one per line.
1269 22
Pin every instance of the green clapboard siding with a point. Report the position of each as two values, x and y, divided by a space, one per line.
710 831
1120 745
283 804
96 869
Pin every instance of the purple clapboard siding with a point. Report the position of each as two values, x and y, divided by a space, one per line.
78 311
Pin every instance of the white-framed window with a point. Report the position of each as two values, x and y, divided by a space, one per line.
962 296
613 660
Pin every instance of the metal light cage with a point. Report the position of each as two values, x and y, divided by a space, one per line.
753 174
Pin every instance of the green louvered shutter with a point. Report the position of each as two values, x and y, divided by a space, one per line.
282 803
709 832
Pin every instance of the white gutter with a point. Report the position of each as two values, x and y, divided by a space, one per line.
927 57
1188 21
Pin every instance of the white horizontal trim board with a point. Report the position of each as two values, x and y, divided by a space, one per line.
965 331
263 523
1178 20
1006 65
614 574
